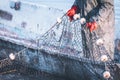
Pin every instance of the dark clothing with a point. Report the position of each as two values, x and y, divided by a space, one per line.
101 11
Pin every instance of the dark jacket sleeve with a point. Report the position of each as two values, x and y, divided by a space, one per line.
105 7
75 3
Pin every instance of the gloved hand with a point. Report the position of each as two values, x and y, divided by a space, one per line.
92 26
72 12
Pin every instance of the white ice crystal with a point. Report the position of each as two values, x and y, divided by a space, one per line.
99 41
106 74
12 56
104 58
76 16
59 20
82 20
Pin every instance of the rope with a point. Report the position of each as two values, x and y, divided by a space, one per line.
68 34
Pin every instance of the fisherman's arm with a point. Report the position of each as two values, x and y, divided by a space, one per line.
101 13
105 8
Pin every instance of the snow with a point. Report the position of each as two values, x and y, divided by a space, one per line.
117 19
38 19
37 16
60 4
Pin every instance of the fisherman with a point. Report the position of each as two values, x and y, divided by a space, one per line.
99 15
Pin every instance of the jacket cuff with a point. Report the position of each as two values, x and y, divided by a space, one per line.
94 19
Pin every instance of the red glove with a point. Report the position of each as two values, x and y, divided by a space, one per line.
92 26
72 12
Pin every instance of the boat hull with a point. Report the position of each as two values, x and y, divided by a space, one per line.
55 64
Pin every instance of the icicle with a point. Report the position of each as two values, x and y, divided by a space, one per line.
59 20
82 20
76 16
106 74
99 42
104 58
12 56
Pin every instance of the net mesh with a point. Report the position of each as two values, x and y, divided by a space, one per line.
64 38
